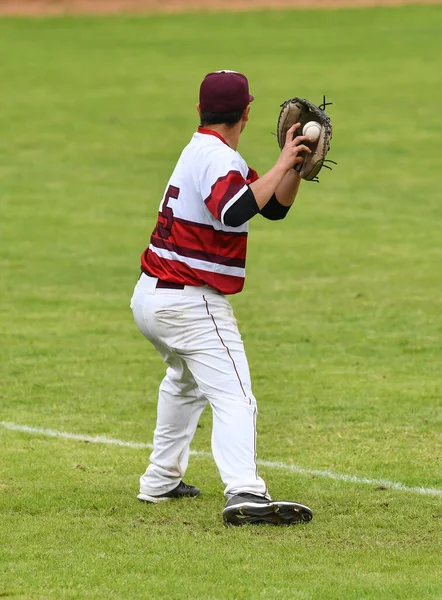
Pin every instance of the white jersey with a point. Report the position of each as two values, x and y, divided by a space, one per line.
191 245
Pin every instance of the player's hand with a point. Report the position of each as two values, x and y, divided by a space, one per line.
290 154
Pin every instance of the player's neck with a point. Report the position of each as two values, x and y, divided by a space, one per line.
230 134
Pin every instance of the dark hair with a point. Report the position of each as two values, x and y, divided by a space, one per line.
227 118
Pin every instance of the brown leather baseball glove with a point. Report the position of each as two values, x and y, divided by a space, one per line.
299 110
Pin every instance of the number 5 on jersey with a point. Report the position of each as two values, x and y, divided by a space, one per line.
164 228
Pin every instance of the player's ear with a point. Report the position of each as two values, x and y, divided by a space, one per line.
198 108
245 115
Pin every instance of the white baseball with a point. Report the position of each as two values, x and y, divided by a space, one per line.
312 129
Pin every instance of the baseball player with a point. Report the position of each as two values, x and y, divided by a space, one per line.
195 259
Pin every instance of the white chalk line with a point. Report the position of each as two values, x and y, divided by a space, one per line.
99 439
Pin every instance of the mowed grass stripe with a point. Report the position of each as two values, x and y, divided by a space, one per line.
394 485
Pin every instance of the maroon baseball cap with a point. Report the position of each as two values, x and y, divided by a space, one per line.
224 91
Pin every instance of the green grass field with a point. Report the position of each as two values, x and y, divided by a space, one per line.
341 314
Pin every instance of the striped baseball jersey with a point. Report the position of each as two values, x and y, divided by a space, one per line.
191 244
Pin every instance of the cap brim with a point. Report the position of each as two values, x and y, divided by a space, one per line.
251 98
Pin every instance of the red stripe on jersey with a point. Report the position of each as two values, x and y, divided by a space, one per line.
193 235
222 191
252 175
217 259
178 272
220 232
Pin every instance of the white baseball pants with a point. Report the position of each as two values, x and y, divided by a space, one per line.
196 333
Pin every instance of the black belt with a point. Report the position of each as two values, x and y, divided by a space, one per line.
162 283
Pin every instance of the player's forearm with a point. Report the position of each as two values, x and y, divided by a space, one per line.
288 188
264 187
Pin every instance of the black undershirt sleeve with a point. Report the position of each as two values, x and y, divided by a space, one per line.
242 210
245 208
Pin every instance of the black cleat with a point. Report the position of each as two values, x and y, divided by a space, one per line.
182 490
248 508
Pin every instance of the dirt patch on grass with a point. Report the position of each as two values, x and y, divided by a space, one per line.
54 7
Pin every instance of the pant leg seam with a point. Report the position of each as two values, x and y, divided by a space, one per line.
226 347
